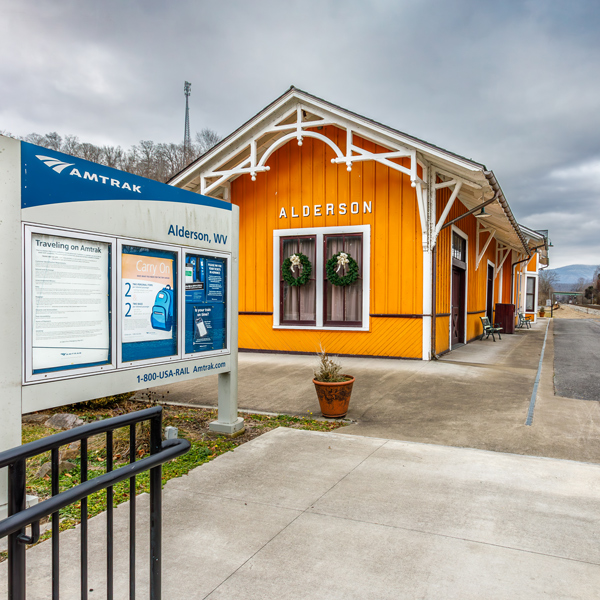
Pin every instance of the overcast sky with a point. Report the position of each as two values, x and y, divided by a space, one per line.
514 85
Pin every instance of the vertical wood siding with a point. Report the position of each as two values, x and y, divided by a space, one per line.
476 277
304 175
388 337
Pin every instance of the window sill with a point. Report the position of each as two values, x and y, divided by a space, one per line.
315 328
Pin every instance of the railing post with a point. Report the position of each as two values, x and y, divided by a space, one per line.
155 511
20 517
16 550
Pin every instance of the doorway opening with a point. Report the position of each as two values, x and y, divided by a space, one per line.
458 305
489 309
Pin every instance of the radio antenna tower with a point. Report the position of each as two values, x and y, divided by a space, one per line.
187 143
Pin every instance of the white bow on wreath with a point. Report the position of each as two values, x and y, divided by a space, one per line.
296 262
342 261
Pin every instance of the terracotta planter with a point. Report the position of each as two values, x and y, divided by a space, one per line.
334 398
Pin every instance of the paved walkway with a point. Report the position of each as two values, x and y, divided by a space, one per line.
577 358
297 514
476 397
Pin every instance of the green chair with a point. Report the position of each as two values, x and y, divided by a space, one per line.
524 322
489 330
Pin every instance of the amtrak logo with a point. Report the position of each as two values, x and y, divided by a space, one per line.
59 166
56 165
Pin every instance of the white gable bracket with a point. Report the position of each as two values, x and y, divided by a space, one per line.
491 232
449 204
502 251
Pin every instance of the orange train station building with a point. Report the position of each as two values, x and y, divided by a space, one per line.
423 239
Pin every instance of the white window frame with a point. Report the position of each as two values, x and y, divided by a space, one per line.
500 277
320 233
530 275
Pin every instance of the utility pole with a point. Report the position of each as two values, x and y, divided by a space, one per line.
187 143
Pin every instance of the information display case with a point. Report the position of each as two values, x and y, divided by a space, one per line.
95 299
68 299
205 303
149 302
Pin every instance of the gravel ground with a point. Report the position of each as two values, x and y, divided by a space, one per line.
566 312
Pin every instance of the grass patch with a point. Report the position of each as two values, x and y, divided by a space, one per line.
192 424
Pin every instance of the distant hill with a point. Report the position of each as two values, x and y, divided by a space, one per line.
572 273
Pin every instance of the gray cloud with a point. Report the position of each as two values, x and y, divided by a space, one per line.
513 84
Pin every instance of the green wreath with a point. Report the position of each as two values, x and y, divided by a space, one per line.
350 277
288 275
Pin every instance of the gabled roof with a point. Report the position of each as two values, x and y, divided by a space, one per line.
295 92
248 147
538 241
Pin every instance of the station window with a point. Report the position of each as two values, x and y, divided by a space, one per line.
343 304
319 303
459 247
298 303
530 295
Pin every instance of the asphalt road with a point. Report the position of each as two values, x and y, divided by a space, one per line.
577 358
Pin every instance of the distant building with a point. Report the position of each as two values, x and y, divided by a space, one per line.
433 238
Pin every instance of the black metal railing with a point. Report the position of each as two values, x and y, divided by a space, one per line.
20 516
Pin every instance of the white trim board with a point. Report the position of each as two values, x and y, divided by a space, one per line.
319 233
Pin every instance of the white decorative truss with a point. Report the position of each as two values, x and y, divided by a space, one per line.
298 124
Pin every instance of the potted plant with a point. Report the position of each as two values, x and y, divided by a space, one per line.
333 387
542 311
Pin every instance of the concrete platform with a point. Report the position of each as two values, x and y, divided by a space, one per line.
297 514
476 397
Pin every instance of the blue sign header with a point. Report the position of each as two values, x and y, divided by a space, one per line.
50 177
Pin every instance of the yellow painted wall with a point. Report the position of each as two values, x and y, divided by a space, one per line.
476 278
304 175
388 337
532 264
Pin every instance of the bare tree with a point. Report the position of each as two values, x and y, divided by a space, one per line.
90 152
547 280
71 145
581 284
35 138
112 156
174 158
148 159
205 140
53 141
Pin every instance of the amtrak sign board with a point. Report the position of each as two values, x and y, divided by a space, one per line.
109 280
